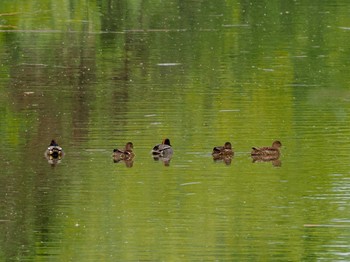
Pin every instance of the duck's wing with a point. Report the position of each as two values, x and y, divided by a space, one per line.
117 151
167 151
128 155
54 149
160 148
156 147
164 147
117 154
264 151
256 151
218 150
58 148
156 150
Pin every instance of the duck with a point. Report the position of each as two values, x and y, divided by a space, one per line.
225 150
267 153
223 153
54 151
163 150
124 154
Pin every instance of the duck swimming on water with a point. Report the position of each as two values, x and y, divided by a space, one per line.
163 150
225 150
54 151
124 154
268 153
224 153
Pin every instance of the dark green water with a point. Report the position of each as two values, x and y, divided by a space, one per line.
97 75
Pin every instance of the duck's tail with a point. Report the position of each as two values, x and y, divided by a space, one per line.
255 151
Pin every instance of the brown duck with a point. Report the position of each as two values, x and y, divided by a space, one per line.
221 151
124 154
268 153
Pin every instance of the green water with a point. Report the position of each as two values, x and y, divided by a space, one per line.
97 74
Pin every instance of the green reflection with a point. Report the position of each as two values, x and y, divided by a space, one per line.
94 75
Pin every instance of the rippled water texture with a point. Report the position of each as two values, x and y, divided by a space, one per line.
96 75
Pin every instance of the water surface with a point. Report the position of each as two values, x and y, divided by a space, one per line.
97 75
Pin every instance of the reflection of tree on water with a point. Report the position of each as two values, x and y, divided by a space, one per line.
29 219
46 198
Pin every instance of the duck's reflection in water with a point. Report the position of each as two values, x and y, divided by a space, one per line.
53 160
165 160
226 159
275 161
128 162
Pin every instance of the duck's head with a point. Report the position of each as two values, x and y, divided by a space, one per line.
129 146
166 141
276 144
228 145
53 143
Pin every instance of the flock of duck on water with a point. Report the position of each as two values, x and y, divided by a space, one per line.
164 152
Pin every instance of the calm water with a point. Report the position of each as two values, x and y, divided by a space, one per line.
95 76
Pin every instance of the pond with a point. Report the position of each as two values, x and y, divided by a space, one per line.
94 75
